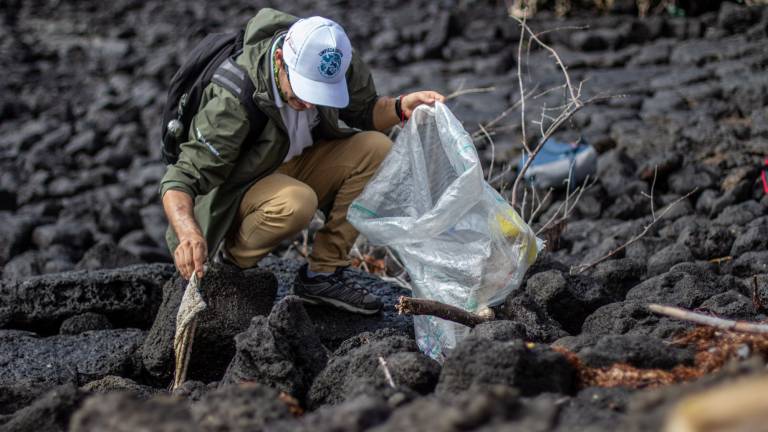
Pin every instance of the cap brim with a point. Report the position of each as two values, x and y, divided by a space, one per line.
334 95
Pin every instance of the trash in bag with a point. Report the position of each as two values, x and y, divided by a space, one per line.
460 241
558 160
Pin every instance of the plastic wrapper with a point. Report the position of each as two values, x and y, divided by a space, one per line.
460 241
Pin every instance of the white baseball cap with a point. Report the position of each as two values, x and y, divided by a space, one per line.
317 53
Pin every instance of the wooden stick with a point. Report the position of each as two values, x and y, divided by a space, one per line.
724 324
416 306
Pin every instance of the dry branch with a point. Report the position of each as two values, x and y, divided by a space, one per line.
416 306
723 324
462 92
584 267
568 110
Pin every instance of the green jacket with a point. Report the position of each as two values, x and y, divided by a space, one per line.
216 166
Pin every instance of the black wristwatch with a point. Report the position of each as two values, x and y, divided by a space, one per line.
398 108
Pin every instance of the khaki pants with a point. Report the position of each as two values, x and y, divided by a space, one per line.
328 176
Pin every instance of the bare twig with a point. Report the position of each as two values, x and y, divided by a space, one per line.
417 306
570 109
584 267
566 207
550 130
757 300
493 150
574 98
543 32
520 82
387 375
653 186
724 324
540 206
463 92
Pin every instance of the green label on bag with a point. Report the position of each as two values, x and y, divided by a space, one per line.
365 210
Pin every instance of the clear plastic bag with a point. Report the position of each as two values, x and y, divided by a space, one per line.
460 241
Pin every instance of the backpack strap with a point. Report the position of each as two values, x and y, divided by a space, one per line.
235 79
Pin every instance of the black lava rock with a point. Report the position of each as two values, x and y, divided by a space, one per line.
664 259
50 412
84 322
676 288
243 407
123 412
499 330
354 415
105 255
129 297
630 317
114 383
355 369
232 298
531 368
479 408
281 351
639 351
15 234
33 365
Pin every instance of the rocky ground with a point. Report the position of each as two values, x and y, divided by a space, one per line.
88 295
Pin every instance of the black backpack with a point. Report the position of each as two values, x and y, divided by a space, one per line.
211 60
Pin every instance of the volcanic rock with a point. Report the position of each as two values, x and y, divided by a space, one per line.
531 368
355 369
676 288
123 412
34 365
639 351
354 415
499 330
467 410
281 351
84 322
104 255
233 298
49 413
114 383
129 297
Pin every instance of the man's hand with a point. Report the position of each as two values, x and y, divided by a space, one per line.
190 255
192 251
384 114
409 102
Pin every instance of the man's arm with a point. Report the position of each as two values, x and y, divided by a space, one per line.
192 251
205 161
385 116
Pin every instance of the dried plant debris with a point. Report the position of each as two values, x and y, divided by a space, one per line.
714 348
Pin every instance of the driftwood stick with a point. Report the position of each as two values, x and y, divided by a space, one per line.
416 306
724 324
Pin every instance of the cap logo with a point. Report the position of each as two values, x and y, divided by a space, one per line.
330 62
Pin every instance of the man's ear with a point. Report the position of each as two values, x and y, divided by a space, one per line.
279 57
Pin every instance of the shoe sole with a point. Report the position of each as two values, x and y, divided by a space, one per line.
336 303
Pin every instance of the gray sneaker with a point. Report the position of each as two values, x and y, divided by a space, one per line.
338 289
